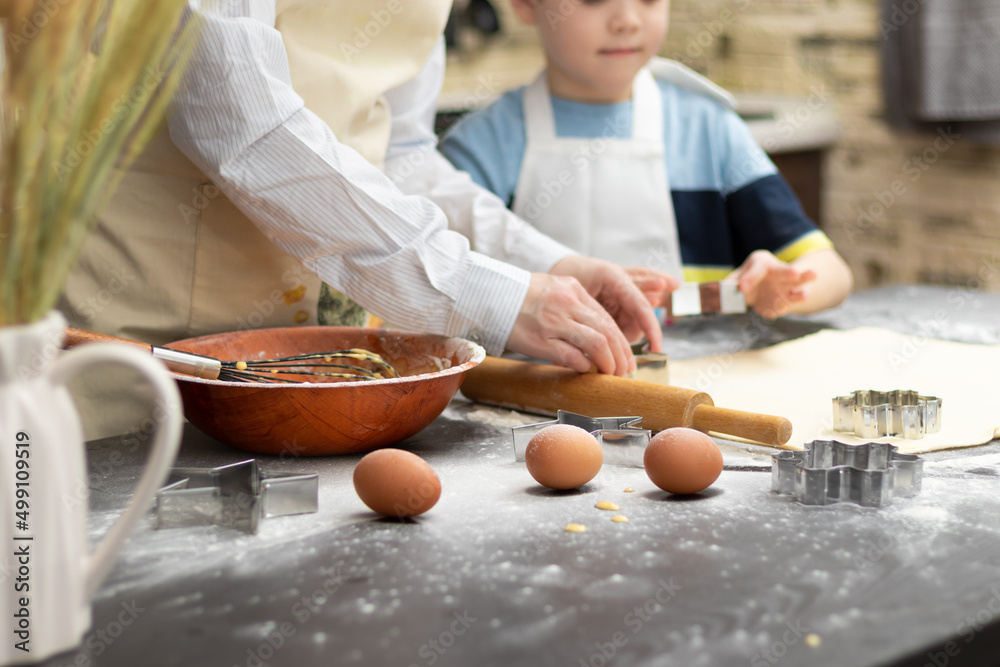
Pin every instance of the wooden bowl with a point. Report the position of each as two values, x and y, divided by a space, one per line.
325 418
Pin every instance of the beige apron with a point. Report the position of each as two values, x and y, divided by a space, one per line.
173 258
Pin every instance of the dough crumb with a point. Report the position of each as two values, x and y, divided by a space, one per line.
575 528
813 640
629 489
241 365
607 505
618 518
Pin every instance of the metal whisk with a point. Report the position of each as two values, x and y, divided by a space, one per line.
264 370
254 370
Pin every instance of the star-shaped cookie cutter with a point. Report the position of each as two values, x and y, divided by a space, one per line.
901 413
236 496
621 439
828 472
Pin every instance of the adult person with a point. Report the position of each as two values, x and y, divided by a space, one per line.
266 201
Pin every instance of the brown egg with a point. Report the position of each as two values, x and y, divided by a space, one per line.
396 483
682 460
562 456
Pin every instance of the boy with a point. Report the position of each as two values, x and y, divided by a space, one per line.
620 164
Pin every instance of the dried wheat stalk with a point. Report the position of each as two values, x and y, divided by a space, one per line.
84 87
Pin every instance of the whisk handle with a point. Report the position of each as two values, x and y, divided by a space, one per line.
76 337
187 363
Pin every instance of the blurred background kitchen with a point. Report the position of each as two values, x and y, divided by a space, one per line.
884 119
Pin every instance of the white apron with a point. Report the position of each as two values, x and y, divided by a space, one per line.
172 257
571 188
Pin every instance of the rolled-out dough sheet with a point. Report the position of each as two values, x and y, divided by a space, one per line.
798 379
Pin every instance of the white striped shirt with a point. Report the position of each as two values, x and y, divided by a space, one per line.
385 243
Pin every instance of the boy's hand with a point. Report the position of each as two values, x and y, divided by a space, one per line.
654 285
771 286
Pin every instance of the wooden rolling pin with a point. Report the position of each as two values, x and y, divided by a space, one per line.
538 388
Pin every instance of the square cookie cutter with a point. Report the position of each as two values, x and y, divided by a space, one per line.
621 440
828 472
652 367
902 413
236 496
723 296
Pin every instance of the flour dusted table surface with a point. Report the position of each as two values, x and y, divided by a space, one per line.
736 576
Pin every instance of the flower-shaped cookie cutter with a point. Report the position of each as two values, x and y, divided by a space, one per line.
875 414
621 439
236 496
828 472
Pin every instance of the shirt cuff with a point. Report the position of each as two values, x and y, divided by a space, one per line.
489 304
814 240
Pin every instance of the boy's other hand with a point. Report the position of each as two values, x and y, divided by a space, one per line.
771 286
654 285
617 291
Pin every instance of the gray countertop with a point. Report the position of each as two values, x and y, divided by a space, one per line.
733 576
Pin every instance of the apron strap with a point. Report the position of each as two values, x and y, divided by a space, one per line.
647 109
539 121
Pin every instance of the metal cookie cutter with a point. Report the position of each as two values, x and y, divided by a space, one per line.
620 438
652 367
875 414
235 496
704 298
828 472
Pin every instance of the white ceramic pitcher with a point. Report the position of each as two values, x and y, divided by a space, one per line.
47 573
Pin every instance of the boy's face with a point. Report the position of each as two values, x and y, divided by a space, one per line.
594 48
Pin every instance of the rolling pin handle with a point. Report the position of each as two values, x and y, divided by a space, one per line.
767 429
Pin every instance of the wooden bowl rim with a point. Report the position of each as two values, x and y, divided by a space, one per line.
477 355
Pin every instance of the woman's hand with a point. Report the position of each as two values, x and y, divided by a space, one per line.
561 322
